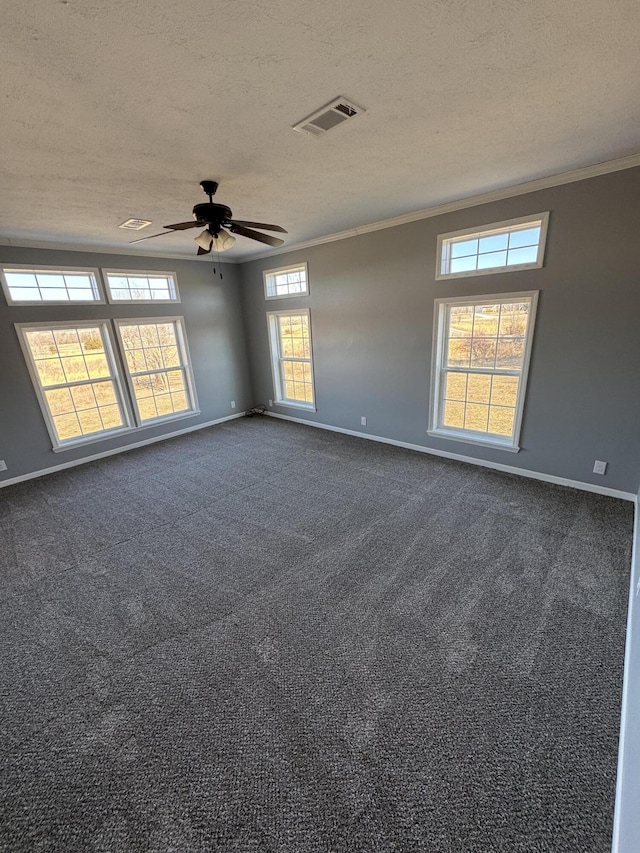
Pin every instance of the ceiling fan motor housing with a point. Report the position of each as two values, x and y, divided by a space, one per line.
213 214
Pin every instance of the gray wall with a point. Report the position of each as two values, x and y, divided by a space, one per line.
371 300
212 313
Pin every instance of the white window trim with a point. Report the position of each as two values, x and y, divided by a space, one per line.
92 271
486 230
141 274
274 350
125 409
511 444
186 367
280 271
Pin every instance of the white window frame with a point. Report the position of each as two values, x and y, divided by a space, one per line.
115 377
186 367
277 360
534 220
93 272
172 276
440 342
284 271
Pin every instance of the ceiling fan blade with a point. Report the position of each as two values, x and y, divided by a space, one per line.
235 228
182 226
262 225
149 236
202 251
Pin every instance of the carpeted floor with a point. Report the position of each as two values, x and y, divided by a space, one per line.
267 638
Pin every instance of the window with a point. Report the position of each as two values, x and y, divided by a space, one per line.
76 380
288 281
504 246
290 340
28 285
158 368
123 286
480 366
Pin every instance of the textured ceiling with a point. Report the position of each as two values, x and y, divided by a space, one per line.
118 109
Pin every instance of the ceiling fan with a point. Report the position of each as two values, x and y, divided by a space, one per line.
217 222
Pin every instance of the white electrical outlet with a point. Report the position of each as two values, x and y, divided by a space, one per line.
363 421
271 402
600 467
233 404
3 465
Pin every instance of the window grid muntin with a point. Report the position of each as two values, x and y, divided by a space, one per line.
186 389
125 289
44 391
511 229
286 282
442 327
39 286
491 371
282 361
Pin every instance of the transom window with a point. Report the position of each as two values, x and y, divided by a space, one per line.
158 367
288 281
28 285
123 286
481 360
290 340
76 379
516 244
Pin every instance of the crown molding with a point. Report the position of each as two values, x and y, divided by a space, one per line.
555 180
104 250
548 182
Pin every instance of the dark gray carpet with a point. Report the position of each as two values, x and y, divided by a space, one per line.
265 637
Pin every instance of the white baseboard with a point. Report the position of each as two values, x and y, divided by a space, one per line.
458 457
115 451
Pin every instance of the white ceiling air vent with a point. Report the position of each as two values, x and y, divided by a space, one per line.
329 116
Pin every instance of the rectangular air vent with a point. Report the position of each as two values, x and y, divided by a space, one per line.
329 116
135 224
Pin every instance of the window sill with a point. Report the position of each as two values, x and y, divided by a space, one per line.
308 407
472 439
116 433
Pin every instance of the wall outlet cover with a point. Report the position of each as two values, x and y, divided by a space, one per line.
233 404
3 465
363 421
600 467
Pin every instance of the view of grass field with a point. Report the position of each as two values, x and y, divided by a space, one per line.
485 350
158 377
75 377
294 343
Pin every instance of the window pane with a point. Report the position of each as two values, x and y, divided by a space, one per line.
504 390
513 319
456 386
494 259
501 420
496 247
494 243
463 264
459 352
461 321
479 388
476 417
453 414
510 353
524 237
523 256
486 321
140 287
35 285
483 352
464 248
151 350
289 282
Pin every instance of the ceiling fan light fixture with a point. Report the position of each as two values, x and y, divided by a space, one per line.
223 241
205 240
